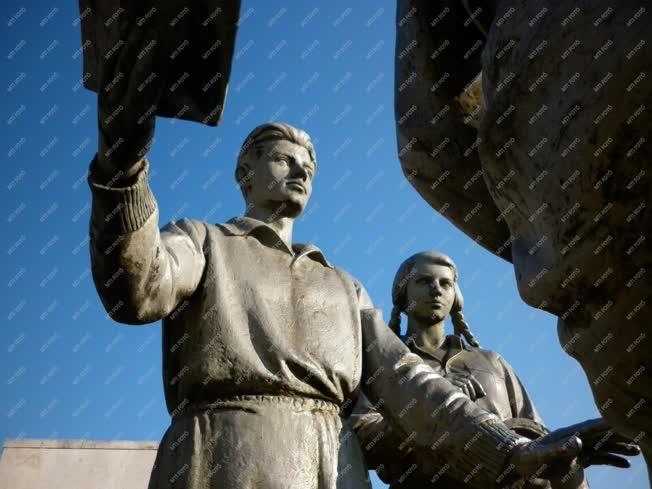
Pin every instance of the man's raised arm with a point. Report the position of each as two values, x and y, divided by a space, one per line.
140 273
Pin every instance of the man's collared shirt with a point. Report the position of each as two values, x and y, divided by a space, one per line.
245 226
276 320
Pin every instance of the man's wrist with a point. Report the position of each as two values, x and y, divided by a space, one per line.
121 205
122 147
485 459
510 473
104 173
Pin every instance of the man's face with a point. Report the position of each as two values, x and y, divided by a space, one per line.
430 292
281 178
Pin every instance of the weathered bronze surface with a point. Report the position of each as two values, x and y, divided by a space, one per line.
528 132
266 345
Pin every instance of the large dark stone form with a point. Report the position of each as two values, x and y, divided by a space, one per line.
543 160
196 37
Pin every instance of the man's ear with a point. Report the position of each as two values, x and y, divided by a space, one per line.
243 176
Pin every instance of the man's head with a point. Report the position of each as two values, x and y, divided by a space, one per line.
275 169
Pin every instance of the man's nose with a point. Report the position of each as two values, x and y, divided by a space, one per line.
298 171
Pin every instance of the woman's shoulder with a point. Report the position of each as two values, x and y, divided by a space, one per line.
489 356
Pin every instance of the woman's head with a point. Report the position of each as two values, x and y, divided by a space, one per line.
426 289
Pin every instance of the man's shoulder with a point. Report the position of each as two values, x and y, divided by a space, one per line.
346 275
199 231
363 296
188 224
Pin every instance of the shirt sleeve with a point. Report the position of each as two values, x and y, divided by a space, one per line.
141 273
384 446
364 300
519 400
474 443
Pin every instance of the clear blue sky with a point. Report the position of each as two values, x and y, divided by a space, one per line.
69 372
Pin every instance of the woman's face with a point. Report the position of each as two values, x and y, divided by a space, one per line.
430 291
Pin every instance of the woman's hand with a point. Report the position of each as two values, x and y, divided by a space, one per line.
466 383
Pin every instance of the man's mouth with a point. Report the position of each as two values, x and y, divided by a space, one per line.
296 186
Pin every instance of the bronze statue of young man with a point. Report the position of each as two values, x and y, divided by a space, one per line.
266 345
426 289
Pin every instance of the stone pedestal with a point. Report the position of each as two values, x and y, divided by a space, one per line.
76 464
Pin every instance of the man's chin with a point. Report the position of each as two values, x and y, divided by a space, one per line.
291 208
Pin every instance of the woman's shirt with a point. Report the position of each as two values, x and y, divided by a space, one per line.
389 450
505 394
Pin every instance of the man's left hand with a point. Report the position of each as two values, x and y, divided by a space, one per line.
588 443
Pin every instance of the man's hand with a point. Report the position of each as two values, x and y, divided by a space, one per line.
566 450
466 383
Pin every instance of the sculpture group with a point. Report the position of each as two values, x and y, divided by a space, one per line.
291 377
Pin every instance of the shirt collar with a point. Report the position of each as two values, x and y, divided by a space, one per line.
452 342
246 226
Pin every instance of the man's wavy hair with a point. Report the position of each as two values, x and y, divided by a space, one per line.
271 131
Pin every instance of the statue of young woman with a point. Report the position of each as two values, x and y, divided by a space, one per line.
426 289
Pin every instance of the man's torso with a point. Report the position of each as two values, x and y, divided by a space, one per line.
262 321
